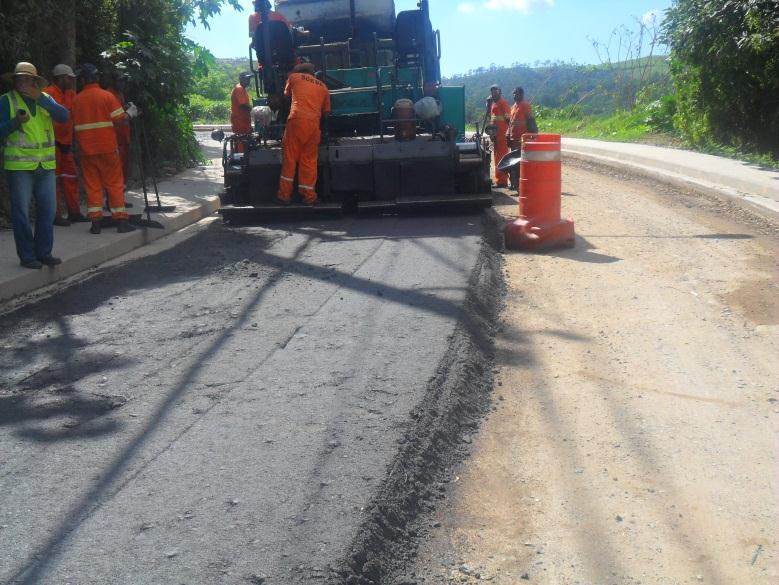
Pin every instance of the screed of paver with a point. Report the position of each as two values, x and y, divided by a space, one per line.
634 435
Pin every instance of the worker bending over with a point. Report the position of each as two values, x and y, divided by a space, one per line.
300 145
95 114
499 116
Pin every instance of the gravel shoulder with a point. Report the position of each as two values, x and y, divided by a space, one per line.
633 436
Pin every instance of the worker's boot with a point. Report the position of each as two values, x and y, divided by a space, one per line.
96 228
125 226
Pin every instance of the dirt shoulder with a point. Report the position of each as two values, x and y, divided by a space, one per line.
633 438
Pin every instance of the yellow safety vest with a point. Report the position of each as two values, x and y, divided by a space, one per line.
33 143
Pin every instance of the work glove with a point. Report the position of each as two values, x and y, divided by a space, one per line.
132 110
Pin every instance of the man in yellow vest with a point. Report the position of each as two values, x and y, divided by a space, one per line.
29 162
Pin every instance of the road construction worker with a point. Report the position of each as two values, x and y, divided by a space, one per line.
255 20
63 92
241 105
300 145
115 85
499 116
520 120
96 112
29 160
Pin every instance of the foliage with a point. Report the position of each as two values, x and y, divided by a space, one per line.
161 64
725 65
217 81
204 110
584 89
628 55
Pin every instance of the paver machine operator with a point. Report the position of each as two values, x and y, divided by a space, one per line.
394 137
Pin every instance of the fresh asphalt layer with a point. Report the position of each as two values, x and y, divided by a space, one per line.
226 411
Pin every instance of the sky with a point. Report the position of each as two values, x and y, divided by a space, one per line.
478 33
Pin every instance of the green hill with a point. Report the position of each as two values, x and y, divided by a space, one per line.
590 89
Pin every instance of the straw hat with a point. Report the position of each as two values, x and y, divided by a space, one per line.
309 68
28 69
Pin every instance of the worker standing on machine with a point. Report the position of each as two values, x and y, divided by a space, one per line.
500 113
95 114
241 108
300 145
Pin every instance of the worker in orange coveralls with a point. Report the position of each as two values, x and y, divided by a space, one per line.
115 83
520 119
520 122
241 108
67 180
499 116
255 20
300 145
95 114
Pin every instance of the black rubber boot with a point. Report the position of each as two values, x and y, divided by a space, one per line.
96 228
125 226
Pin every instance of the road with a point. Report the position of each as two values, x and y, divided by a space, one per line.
240 408
634 432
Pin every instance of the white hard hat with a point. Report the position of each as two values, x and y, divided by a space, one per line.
62 69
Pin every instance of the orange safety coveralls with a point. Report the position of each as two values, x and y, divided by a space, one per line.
67 179
123 137
500 113
520 112
94 112
240 118
300 145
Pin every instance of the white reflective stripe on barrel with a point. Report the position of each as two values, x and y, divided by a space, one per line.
541 155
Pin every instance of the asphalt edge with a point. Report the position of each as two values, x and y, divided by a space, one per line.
33 280
457 398
757 203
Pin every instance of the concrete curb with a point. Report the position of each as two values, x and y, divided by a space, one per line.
684 177
31 280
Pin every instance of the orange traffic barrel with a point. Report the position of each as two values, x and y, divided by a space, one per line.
540 194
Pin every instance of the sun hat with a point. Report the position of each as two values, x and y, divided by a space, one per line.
28 69
62 69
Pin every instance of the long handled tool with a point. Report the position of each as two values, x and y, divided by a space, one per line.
159 208
148 222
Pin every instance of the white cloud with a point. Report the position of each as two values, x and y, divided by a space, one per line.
466 7
651 18
521 5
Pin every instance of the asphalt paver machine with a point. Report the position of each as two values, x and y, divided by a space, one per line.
395 137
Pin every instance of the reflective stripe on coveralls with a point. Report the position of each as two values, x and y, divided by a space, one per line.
33 143
501 113
300 145
101 171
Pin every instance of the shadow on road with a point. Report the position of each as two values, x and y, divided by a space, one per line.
208 253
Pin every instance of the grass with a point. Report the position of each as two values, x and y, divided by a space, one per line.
636 126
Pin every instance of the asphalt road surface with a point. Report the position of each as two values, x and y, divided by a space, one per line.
229 410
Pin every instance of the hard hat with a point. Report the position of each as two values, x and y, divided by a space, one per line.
494 86
62 69
87 70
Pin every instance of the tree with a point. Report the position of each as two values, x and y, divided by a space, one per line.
725 66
